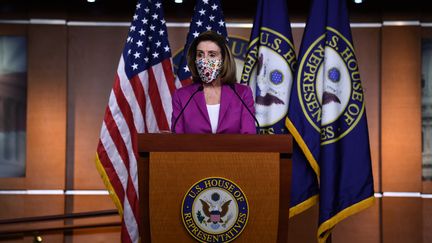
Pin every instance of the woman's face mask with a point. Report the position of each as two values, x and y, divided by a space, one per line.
208 69
208 61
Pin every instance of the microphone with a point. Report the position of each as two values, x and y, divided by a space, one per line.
200 88
250 112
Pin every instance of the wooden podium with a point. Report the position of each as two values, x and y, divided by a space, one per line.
170 164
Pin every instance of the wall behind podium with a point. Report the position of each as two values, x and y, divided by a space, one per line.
71 72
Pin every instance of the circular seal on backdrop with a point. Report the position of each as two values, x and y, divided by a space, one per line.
268 71
330 92
215 209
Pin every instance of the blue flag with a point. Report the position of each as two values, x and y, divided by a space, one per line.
269 70
207 15
327 115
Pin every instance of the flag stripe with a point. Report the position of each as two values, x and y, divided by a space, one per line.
130 222
124 142
132 198
111 172
106 180
150 116
177 83
112 152
125 237
114 155
119 149
131 94
138 89
121 108
156 102
169 76
121 142
186 82
164 91
118 143
119 152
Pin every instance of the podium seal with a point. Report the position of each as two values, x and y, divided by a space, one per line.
215 209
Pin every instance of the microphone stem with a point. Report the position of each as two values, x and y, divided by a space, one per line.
200 88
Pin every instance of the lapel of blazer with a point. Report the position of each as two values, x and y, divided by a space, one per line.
225 102
202 107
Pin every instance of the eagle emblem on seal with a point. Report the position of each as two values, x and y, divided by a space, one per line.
214 212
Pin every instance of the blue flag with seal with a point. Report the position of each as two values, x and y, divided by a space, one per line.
327 115
269 69
207 15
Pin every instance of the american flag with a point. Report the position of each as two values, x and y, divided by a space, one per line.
207 15
140 102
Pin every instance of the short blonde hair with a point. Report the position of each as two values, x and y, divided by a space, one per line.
228 71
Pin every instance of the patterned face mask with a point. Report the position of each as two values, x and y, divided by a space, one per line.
208 69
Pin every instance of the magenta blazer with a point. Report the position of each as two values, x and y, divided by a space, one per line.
233 115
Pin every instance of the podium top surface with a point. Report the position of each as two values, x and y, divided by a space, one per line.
166 142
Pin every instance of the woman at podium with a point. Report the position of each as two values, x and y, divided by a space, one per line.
214 102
